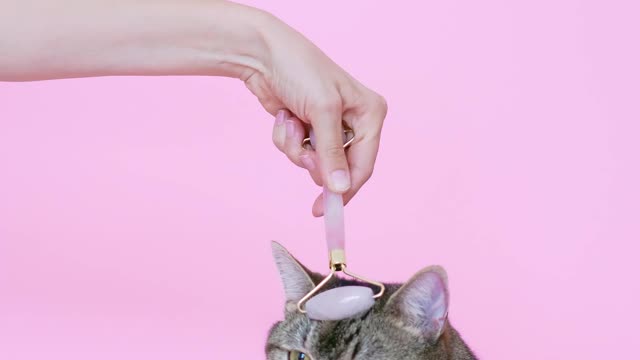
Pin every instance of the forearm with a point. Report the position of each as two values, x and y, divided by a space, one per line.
49 39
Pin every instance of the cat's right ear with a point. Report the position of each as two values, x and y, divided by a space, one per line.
295 277
421 305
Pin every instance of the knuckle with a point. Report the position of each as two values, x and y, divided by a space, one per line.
296 161
274 139
334 151
380 105
292 154
329 104
277 140
384 106
293 147
365 174
368 174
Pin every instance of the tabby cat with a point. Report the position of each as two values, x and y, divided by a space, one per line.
408 323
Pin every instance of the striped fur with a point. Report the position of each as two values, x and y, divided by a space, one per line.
388 331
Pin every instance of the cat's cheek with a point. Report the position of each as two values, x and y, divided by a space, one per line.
278 355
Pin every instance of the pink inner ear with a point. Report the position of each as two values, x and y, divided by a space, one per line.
425 302
438 296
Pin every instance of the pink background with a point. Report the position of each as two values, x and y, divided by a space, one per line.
136 213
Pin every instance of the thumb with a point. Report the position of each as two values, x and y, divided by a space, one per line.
327 127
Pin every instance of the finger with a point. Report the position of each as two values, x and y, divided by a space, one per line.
361 156
292 145
301 156
318 207
294 130
362 153
309 160
327 126
279 133
364 150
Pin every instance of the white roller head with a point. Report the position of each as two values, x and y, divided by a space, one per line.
340 303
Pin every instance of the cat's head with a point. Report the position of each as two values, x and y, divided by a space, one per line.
409 322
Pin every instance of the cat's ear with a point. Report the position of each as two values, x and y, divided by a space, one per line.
421 305
295 277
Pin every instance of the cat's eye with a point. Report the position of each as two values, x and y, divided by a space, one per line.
297 355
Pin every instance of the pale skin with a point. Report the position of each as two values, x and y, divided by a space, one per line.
292 78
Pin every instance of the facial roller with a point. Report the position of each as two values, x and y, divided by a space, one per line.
346 301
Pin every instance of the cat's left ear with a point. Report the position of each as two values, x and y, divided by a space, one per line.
295 277
421 305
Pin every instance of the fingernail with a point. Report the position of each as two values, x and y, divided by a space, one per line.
308 162
279 117
340 181
291 128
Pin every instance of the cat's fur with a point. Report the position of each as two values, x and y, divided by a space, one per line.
409 322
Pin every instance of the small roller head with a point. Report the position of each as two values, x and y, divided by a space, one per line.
340 303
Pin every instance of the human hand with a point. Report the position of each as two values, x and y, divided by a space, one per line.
293 79
303 88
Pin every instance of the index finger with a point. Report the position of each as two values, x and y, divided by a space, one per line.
327 126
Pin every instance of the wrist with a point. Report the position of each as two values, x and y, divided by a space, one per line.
239 40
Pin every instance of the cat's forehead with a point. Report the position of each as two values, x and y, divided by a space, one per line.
329 337
337 339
